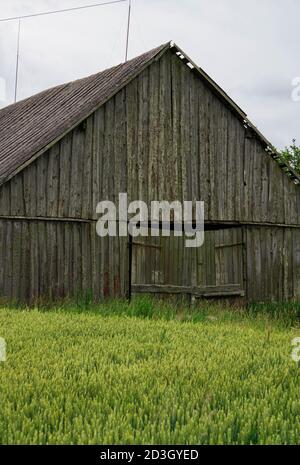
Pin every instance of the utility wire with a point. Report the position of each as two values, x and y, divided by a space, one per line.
61 11
19 18
128 31
17 61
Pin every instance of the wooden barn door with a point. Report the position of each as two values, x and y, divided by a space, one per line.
229 257
162 262
164 265
220 262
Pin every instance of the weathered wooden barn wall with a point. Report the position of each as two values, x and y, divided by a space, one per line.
52 238
166 136
273 263
52 260
185 144
67 181
163 261
175 140
200 150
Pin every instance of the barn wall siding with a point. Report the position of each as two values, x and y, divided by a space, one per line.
86 166
47 260
273 259
197 149
166 136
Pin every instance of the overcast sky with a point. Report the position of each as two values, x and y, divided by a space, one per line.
252 49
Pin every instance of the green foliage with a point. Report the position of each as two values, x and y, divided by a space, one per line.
291 155
149 373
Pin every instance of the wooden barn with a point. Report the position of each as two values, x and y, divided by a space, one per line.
159 128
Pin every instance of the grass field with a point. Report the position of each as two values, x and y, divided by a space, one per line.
147 374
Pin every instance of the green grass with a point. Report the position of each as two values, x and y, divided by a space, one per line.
149 373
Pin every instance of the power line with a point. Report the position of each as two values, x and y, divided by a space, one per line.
17 62
61 11
19 18
128 31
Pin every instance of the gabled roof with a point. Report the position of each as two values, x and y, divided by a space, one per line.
31 126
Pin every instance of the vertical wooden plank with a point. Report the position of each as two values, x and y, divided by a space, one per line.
87 208
41 183
60 259
124 266
201 267
208 255
2 259
276 194
68 258
240 273
143 135
76 179
257 183
250 265
5 199
132 138
86 274
218 258
258 263
212 153
98 159
298 204
275 270
8 272
95 262
296 264
169 161
34 263
194 142
239 172
184 135
161 175
52 259
287 264
175 86
231 169
244 260
44 243
65 176
264 187
30 190
77 267
17 196
204 141
154 130
16 260
248 180
222 163
52 182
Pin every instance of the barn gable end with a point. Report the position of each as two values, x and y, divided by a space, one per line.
168 134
